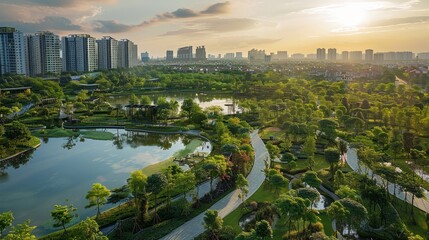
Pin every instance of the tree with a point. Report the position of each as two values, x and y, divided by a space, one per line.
311 178
328 128
155 184
6 220
339 179
184 182
97 196
213 223
137 184
337 211
263 230
189 107
62 215
309 148
243 185
346 192
277 181
332 156
357 212
21 232
308 193
214 166
273 150
89 230
17 132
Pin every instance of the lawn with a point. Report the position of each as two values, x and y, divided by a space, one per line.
263 194
157 167
327 223
60 133
277 133
420 227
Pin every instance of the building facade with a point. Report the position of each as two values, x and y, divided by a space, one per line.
13 52
321 54
356 56
43 54
185 53
200 53
332 54
169 55
345 56
145 57
80 53
369 55
255 55
107 53
127 54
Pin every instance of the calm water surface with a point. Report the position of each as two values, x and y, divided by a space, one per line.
204 100
62 170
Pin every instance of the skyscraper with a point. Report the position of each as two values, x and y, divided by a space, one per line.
107 53
79 53
200 53
356 56
321 54
43 53
369 55
332 54
127 54
238 55
145 57
169 55
345 56
185 53
256 55
379 57
13 51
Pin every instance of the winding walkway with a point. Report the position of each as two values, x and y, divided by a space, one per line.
395 190
229 203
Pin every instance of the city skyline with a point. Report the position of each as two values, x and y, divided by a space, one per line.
272 25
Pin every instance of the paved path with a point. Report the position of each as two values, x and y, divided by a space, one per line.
353 162
194 227
21 112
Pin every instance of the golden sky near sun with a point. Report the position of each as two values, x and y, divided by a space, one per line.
235 25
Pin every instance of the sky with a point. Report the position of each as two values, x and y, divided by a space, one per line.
296 26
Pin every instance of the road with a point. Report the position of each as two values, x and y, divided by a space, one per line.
353 162
226 205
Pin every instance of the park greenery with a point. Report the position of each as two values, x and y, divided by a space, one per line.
308 127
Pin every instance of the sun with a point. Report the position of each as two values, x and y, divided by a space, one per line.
349 16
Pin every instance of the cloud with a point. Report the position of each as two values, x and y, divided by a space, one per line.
183 31
399 21
218 8
47 23
110 26
363 6
56 3
214 25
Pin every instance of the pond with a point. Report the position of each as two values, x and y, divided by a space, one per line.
322 203
203 99
62 170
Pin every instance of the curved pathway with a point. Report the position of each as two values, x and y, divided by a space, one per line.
226 205
395 190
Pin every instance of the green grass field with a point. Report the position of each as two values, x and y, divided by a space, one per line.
263 194
157 167
60 133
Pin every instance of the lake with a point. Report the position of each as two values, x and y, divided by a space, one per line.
202 99
62 170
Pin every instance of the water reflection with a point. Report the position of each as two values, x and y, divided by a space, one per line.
15 163
31 184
